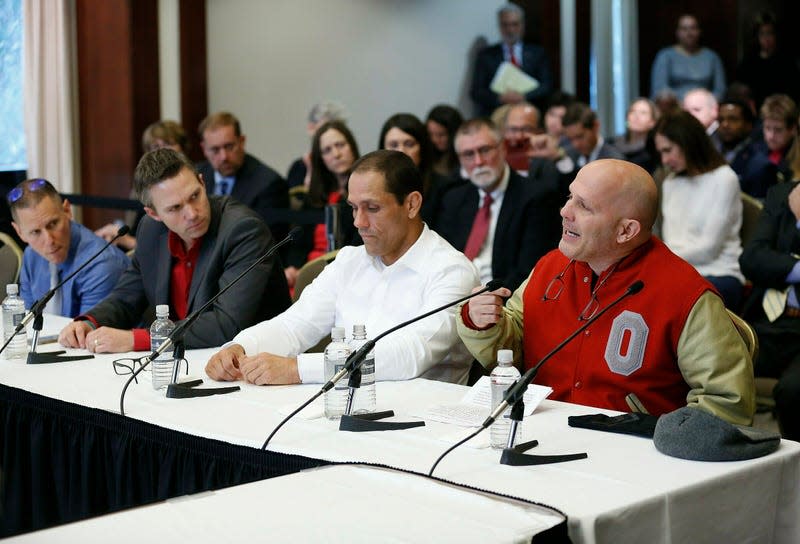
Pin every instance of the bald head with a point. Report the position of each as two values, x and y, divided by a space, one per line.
629 188
703 105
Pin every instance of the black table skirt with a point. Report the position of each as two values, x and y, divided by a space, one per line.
62 462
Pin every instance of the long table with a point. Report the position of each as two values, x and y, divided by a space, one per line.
625 491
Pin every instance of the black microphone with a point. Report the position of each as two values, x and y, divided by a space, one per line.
38 307
517 390
356 358
177 334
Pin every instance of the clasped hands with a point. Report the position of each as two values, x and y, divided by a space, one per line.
231 364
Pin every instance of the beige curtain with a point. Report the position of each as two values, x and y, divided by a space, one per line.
49 92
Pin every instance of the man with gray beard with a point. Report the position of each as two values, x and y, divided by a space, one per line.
501 221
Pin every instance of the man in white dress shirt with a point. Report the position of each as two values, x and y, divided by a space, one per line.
402 270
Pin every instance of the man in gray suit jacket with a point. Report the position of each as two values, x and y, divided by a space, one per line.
189 247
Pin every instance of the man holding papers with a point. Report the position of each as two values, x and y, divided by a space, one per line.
510 72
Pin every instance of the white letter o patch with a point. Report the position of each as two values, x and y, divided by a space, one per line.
626 343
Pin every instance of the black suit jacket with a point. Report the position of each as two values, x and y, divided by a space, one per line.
257 186
534 63
236 238
529 224
767 259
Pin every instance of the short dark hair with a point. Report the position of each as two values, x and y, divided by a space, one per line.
747 112
29 193
684 130
401 175
156 166
578 112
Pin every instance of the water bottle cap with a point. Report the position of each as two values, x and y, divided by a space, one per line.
505 356
359 330
12 289
162 310
337 333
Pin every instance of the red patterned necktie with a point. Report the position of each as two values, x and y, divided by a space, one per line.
480 228
514 59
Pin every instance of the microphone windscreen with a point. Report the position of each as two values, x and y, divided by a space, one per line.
295 233
635 287
123 230
492 285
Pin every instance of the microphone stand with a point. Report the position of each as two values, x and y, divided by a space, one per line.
186 389
37 309
371 422
514 455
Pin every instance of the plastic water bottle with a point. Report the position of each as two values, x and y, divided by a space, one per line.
364 401
13 313
336 354
503 375
161 328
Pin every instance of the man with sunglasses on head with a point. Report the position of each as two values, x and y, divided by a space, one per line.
189 247
672 344
57 246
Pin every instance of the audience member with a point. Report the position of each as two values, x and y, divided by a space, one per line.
687 65
405 133
701 210
190 246
705 108
770 261
520 123
160 134
333 152
320 113
529 58
403 269
501 221
779 121
556 108
741 151
766 69
57 246
670 345
641 118
442 123
230 170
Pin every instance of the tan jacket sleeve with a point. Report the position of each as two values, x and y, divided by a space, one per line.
715 363
506 334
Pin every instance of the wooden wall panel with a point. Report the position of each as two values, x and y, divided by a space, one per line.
194 71
117 51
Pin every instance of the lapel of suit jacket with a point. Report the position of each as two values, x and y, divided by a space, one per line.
505 214
163 269
206 250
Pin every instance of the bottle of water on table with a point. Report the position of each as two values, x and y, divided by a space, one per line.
13 314
161 328
364 401
336 354
503 375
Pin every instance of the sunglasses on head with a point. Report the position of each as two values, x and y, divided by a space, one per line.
17 192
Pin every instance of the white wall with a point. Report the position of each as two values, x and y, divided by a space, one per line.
270 60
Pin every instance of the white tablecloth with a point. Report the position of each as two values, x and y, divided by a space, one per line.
626 491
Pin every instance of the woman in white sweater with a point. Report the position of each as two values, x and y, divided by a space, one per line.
701 207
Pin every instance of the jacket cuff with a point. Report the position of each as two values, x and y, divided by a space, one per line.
141 340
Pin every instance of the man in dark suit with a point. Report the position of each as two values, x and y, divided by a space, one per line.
230 170
771 261
190 246
529 58
501 221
